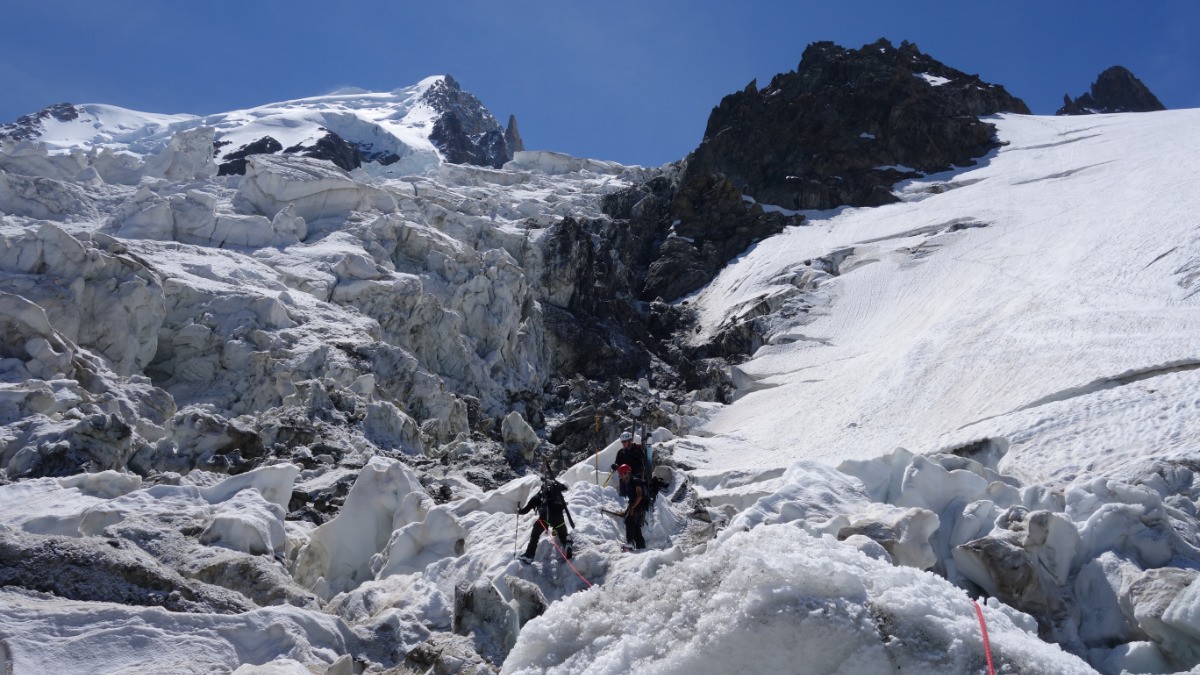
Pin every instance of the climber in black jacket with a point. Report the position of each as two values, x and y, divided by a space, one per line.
551 506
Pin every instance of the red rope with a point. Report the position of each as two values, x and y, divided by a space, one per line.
987 647
560 551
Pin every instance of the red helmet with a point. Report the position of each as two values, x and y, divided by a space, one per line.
624 469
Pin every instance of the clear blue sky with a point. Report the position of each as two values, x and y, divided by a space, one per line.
626 80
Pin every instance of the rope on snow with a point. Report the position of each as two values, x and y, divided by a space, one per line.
987 647
550 536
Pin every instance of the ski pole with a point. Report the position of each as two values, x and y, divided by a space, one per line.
517 530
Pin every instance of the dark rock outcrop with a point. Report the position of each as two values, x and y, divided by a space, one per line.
846 125
600 326
234 163
592 314
465 131
1116 90
707 223
333 148
30 127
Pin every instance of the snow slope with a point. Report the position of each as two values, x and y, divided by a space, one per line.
1063 263
397 122
108 126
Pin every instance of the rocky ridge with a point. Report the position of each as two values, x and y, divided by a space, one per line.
465 131
1115 90
840 130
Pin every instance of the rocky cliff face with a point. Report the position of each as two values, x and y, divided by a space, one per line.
846 124
839 130
465 131
595 268
1115 90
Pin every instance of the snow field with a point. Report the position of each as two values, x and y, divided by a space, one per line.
772 598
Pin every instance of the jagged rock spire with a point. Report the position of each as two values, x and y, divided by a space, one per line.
465 131
513 137
1116 90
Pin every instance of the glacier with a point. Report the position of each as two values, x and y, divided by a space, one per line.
985 392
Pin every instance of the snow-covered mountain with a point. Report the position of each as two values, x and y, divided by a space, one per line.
401 132
281 421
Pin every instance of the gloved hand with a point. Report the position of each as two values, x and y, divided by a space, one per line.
613 467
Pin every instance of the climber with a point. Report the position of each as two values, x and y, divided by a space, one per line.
635 512
632 455
551 506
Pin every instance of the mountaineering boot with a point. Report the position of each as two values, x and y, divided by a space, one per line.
524 558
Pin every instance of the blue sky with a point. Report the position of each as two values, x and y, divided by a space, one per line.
626 80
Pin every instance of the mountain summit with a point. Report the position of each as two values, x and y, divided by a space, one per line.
846 123
1115 90
397 132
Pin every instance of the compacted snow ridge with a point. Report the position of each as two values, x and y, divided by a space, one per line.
989 391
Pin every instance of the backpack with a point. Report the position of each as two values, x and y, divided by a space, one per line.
552 495
659 480
647 501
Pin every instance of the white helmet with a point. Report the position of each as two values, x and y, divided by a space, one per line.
626 436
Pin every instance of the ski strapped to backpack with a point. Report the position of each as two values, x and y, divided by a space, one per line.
656 478
596 422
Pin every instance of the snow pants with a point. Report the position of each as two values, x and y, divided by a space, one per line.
539 526
633 529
